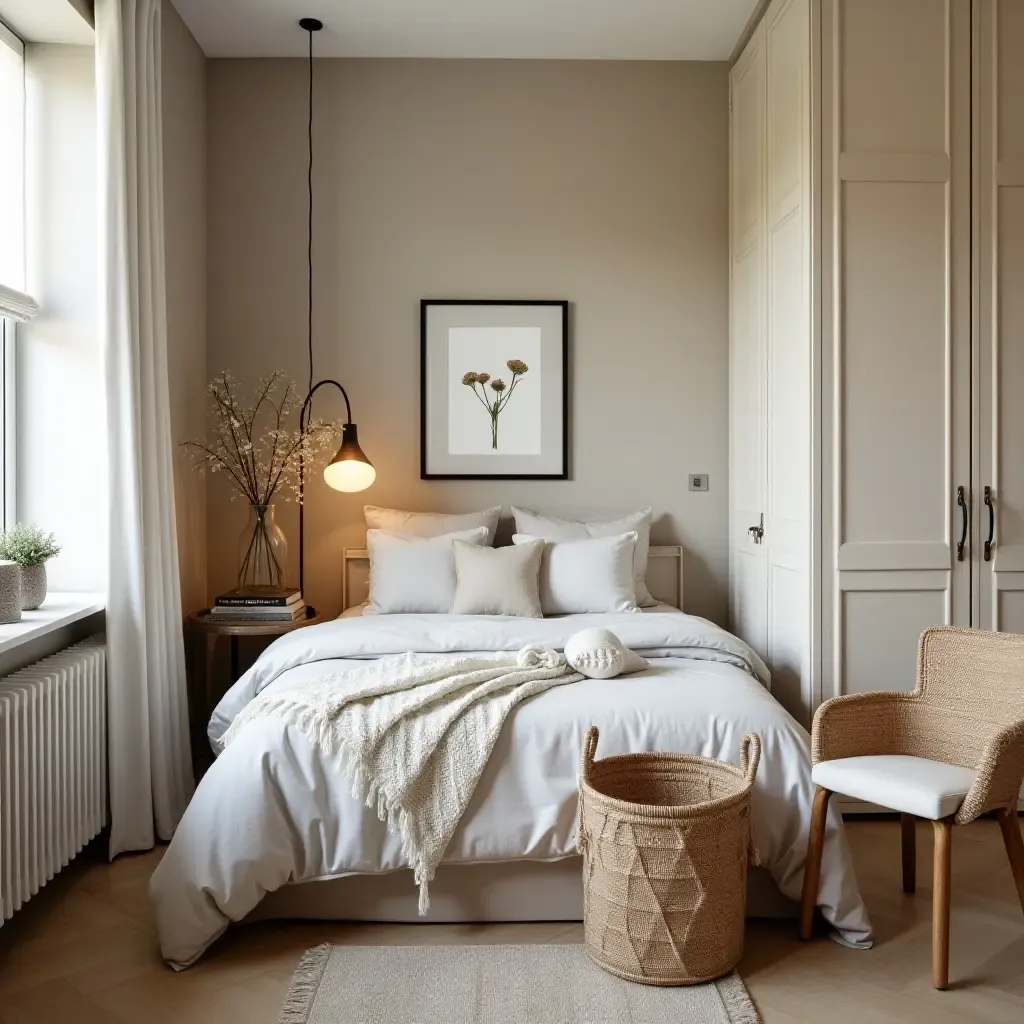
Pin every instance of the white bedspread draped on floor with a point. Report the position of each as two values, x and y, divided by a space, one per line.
150 771
275 809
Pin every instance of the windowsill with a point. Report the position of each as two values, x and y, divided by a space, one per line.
57 611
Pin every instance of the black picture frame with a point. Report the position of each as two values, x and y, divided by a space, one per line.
425 306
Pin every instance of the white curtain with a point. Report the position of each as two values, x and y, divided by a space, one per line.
150 770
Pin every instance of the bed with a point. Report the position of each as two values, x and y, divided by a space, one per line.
274 831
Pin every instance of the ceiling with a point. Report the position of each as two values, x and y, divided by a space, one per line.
580 29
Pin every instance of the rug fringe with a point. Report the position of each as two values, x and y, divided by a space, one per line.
736 999
305 984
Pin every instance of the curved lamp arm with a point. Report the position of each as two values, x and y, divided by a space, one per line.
349 470
304 411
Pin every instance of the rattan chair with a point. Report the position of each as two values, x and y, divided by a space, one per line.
951 750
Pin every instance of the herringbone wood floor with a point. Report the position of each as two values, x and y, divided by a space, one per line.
84 952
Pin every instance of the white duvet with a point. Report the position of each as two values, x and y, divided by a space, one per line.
273 809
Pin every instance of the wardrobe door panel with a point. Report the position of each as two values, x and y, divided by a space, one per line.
746 146
1011 605
892 76
788 248
999 88
787 520
894 620
894 371
1008 19
748 575
770 529
748 569
896 330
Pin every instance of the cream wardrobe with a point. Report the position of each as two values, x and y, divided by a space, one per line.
877 335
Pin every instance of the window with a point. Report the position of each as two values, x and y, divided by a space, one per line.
12 160
13 301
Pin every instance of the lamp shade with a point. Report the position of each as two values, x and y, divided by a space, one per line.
350 470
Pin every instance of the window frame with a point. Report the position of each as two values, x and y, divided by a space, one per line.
8 336
9 412
15 42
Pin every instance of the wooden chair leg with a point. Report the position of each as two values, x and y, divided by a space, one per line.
812 866
908 834
1014 848
940 903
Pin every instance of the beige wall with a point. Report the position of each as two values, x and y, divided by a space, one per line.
184 111
601 183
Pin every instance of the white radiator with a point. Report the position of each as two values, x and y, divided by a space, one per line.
53 767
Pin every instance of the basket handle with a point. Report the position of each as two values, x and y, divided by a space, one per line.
750 756
589 750
586 762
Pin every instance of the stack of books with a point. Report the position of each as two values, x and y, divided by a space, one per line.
259 604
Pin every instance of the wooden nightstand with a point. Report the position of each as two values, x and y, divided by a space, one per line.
203 693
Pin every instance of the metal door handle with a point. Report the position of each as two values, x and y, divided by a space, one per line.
961 500
990 501
757 532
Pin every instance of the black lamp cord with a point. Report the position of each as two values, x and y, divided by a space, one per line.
309 323
309 233
311 25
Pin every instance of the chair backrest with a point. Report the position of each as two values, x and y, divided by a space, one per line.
973 673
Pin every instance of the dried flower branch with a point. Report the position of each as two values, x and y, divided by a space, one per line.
502 392
250 444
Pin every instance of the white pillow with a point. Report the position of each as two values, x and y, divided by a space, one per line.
498 581
599 654
430 524
579 576
414 574
639 522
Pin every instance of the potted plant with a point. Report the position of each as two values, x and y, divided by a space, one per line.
31 548
259 457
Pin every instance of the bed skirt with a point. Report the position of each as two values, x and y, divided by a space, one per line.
468 893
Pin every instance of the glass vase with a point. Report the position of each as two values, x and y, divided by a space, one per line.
262 551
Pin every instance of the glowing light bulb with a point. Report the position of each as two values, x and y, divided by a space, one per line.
350 470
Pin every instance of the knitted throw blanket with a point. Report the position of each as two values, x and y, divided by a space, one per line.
414 733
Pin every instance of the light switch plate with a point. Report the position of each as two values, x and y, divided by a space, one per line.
698 481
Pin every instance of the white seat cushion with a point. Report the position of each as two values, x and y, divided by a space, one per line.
914 785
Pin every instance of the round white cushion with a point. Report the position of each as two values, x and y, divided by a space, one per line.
599 654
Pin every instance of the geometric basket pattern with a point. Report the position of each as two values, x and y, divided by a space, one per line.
665 840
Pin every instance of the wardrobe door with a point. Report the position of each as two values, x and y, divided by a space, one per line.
747 369
787 540
896 332
999 162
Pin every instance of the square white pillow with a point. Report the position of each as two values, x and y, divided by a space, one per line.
581 576
535 525
498 581
414 574
430 524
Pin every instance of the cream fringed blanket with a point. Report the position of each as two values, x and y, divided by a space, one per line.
414 733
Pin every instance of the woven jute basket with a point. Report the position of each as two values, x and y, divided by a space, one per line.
666 842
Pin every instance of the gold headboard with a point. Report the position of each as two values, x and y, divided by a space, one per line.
664 575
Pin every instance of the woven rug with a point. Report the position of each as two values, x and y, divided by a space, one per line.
493 985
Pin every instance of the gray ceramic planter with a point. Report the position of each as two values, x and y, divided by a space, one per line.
10 592
33 586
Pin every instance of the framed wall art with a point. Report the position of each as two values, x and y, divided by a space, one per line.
494 389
